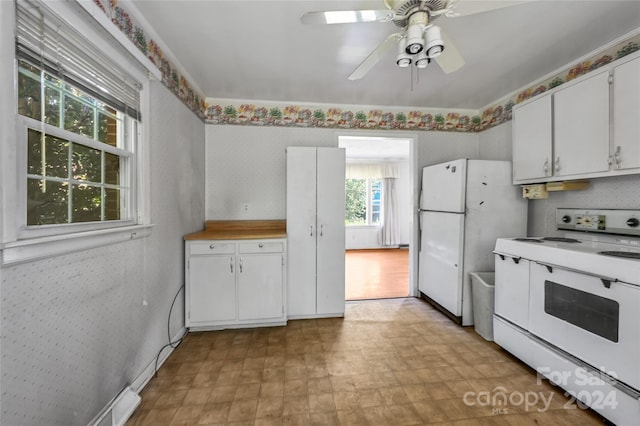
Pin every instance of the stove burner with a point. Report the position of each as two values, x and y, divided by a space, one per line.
529 240
561 239
625 254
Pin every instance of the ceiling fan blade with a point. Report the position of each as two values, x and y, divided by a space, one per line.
347 16
451 60
469 7
375 56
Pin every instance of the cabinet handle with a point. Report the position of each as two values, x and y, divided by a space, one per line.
240 265
545 166
616 156
212 246
311 231
556 166
260 245
321 229
231 264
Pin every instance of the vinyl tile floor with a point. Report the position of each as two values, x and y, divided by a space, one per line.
387 362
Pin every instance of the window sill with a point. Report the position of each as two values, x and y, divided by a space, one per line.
33 249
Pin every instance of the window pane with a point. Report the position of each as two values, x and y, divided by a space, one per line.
78 117
112 204
28 95
87 163
52 106
376 186
86 201
356 201
49 158
47 202
111 169
107 129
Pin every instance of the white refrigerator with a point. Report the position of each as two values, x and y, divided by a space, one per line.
464 206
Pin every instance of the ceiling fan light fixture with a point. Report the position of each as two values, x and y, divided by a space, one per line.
415 41
403 59
434 46
415 30
422 60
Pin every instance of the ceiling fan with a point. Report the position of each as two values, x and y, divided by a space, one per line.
419 41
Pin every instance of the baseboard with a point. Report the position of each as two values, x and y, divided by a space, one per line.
122 406
147 374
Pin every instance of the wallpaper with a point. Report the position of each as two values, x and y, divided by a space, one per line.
340 116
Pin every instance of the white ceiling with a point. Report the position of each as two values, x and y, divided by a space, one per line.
259 50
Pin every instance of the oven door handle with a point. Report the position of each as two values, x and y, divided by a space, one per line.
606 281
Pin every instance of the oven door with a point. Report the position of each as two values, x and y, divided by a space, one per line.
595 319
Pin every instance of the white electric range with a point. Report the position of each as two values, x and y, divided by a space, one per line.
568 305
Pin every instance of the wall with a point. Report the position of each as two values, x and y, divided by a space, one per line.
74 328
247 164
621 192
495 143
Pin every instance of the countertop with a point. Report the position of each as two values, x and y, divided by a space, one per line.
240 230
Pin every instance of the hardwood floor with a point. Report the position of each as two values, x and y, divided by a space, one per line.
386 363
376 274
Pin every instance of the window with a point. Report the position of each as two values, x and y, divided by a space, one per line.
76 162
80 123
363 202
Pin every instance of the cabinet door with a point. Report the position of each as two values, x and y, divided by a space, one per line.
260 287
301 230
626 113
211 289
512 290
581 123
532 140
330 241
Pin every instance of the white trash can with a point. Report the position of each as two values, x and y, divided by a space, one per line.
482 293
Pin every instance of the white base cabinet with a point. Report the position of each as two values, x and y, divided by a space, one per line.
235 283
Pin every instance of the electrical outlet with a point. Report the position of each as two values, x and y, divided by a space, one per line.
245 207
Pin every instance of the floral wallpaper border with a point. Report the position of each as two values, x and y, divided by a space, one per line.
501 111
238 113
171 78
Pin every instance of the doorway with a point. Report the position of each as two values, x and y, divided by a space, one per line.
379 216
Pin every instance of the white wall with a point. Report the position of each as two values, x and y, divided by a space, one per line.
495 143
622 192
247 164
74 329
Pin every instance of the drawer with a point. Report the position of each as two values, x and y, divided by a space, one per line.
211 247
261 247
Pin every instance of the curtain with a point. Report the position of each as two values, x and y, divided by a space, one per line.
371 171
389 215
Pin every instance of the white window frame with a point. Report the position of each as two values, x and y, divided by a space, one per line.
128 176
368 208
17 245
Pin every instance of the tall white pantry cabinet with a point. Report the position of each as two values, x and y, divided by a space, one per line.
315 231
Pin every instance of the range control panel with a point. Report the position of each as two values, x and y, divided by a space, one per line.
608 221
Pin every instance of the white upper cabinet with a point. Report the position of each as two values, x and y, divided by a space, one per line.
625 149
532 140
581 126
587 128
